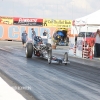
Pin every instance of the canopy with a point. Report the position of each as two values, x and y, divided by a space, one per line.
91 19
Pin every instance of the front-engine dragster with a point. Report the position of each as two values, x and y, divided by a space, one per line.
40 48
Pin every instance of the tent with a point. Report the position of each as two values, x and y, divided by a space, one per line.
89 23
90 20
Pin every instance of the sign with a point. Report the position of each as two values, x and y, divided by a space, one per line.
72 46
79 48
57 23
28 21
6 20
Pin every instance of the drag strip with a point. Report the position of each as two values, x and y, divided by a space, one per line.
50 81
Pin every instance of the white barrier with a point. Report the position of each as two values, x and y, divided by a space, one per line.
72 45
79 47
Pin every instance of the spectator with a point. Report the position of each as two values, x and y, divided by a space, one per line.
33 33
45 33
97 43
24 38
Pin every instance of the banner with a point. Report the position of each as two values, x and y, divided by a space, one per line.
27 21
48 22
72 46
6 20
57 23
14 32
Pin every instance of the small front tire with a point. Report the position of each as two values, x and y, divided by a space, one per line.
66 58
49 56
49 61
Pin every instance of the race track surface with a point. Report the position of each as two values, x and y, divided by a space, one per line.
49 81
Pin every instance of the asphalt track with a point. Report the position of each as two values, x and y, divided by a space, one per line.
48 82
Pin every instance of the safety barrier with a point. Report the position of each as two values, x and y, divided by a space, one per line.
71 45
75 50
87 52
84 48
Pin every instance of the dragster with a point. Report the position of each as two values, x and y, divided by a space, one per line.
40 48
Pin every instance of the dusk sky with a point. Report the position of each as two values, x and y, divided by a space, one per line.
53 9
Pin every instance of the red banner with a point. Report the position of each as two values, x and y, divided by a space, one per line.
28 21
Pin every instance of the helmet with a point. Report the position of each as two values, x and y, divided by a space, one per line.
38 39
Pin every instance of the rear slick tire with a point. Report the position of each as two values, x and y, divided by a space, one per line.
29 50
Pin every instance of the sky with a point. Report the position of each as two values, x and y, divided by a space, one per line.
50 9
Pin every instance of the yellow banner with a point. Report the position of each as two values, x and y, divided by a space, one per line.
57 23
48 22
6 20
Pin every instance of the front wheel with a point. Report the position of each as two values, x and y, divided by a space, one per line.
49 56
66 58
29 50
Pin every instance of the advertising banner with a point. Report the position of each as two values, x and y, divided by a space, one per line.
57 23
6 20
27 21
13 32
72 46
48 22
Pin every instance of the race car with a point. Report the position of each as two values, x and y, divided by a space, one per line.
60 36
40 48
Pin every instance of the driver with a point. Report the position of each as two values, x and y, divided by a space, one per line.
37 40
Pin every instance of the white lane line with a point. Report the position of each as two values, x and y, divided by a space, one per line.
8 93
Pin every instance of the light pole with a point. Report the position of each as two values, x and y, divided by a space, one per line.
72 9
13 7
57 10
43 10
28 8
